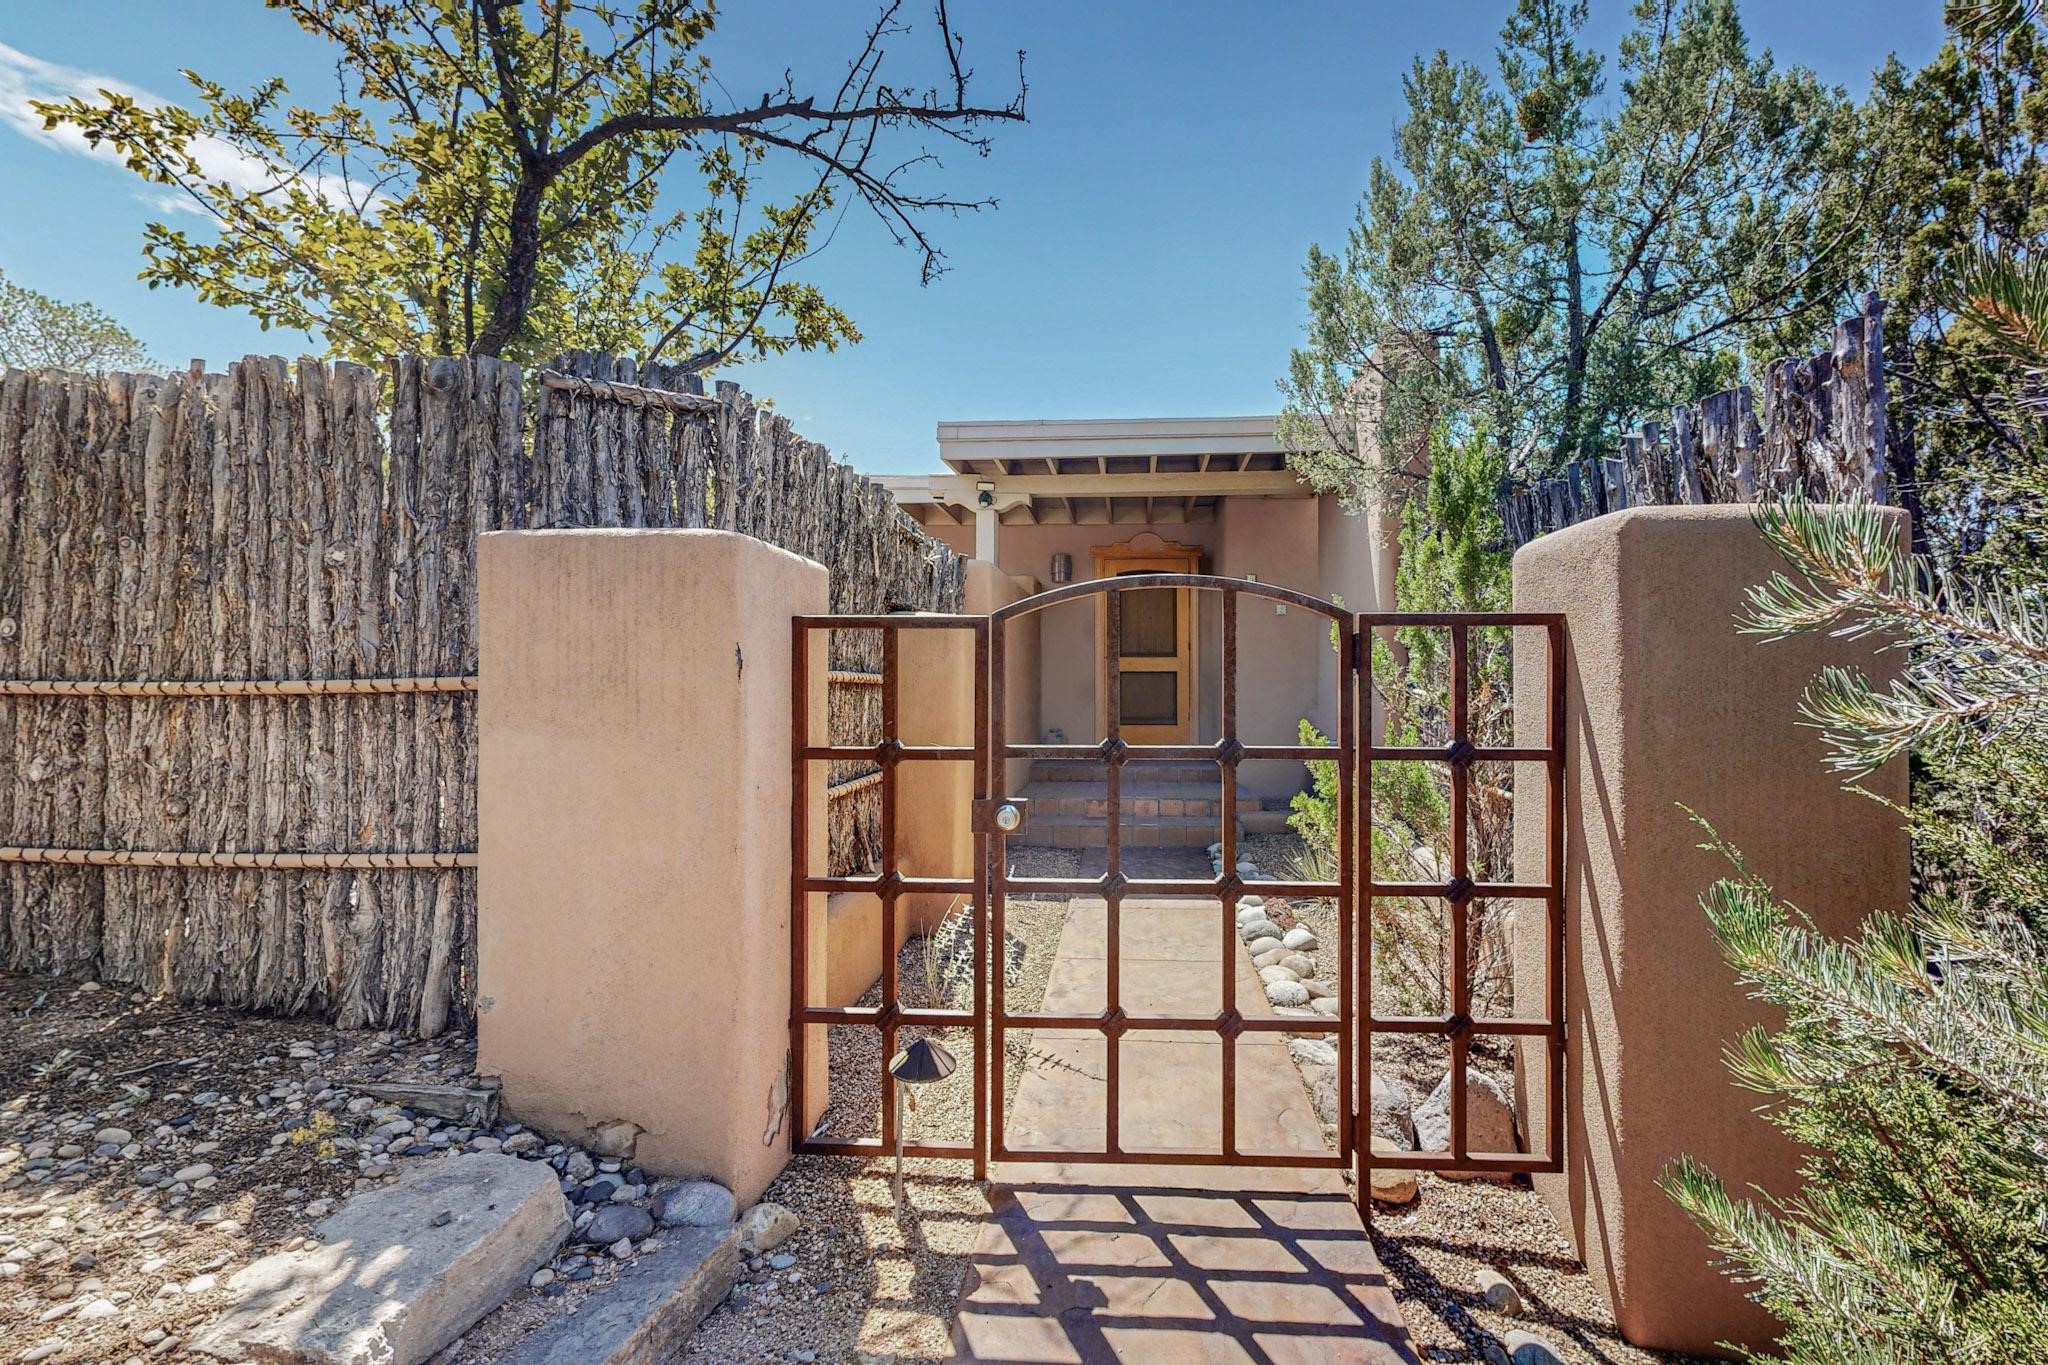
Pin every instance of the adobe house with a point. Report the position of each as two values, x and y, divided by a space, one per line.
1053 502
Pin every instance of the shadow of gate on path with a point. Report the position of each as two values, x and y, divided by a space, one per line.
1074 1274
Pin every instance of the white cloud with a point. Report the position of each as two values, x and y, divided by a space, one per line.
24 77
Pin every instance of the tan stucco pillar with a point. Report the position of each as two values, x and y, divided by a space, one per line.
935 706
1668 705
634 839
989 588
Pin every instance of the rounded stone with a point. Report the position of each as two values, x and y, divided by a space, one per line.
1391 1186
614 1221
1269 944
766 1227
1300 939
615 1139
1499 1291
1325 1005
1286 992
1312 1051
1277 974
1260 928
1393 1114
118 1137
695 1204
1270 958
1489 1120
1526 1348
1301 964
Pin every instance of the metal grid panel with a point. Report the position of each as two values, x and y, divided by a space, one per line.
887 882
1458 1025
1355 1023
1114 752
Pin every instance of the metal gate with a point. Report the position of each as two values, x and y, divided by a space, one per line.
1354 1024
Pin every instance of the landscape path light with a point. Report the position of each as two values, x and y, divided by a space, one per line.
923 1062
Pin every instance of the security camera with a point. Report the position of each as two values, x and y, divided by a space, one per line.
985 495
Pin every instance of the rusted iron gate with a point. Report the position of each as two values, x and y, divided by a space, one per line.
1354 1026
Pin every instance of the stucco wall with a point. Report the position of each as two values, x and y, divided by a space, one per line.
1669 704
1284 660
634 815
1345 571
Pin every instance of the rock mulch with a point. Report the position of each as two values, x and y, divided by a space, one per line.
1472 1263
861 1280
148 1150
1436 1254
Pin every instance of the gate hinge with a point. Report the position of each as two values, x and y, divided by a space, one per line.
1359 659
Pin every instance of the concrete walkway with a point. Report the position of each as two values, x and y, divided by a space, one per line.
1180 1264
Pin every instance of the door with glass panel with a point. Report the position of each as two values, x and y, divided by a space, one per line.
1153 637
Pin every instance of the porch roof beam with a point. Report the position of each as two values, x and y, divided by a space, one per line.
960 488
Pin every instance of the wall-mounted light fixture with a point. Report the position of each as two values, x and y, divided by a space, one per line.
1062 567
985 494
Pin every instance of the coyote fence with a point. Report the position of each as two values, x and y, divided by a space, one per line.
1821 433
238 649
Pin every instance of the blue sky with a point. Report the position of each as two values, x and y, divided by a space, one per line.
1155 212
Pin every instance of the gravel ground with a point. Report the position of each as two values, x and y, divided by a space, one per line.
869 1281
1433 1248
148 1150
106 1256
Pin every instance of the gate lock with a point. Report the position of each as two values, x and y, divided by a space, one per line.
1006 816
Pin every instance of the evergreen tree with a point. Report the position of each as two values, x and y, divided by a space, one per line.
1958 174
1555 262
1450 561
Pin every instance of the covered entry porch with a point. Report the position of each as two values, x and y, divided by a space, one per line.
1051 503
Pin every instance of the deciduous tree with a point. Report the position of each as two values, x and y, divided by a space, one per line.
498 178
37 330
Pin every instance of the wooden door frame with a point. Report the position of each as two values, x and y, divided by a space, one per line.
1147 552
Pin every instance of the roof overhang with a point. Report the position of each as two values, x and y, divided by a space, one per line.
1117 471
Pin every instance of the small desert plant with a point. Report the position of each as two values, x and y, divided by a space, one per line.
945 959
319 1130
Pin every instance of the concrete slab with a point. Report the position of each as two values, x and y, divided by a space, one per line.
1086 1264
647 1314
1069 1274
1170 1083
400 1271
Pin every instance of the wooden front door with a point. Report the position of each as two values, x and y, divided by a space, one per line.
1155 645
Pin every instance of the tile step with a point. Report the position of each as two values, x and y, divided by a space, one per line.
1152 770
1146 801
1081 831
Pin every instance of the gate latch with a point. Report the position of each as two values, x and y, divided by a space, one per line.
1008 815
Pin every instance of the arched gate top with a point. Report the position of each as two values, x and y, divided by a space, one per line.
1101 587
